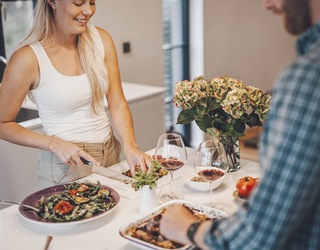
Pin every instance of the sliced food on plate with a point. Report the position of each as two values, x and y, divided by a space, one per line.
76 201
159 171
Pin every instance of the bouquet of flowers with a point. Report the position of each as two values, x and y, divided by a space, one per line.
221 107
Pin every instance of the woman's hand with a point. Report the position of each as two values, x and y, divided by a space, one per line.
135 156
69 153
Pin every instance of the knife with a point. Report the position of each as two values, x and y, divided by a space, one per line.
106 172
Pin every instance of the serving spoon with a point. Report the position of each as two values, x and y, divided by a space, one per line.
25 206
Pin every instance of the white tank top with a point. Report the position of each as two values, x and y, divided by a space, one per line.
64 102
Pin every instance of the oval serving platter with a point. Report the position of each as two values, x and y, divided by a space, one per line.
33 199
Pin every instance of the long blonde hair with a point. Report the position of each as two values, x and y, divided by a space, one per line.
90 57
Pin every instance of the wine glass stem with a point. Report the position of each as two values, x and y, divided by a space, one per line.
210 201
171 186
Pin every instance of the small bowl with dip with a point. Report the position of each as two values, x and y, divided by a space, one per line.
199 184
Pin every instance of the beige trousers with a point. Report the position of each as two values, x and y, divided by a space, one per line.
52 171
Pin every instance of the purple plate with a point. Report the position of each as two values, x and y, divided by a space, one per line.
34 198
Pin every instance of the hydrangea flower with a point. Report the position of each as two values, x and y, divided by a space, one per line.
223 104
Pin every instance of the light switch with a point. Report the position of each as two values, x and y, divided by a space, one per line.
126 47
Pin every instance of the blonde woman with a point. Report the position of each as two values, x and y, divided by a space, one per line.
68 67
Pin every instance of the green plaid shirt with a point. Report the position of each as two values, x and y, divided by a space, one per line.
284 211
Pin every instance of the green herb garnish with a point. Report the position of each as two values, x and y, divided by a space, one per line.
148 178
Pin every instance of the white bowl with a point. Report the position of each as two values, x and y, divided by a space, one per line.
200 186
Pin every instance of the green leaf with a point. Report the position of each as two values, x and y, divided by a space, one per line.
148 178
186 116
239 126
227 129
212 104
221 125
253 120
234 133
204 123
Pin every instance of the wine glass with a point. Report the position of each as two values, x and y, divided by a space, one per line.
211 163
172 155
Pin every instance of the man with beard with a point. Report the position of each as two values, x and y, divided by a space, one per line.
284 210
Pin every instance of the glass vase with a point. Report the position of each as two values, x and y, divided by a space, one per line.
231 146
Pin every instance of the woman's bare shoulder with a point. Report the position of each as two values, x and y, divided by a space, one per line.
105 36
24 57
25 62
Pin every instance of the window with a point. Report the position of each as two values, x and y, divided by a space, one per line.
15 21
16 18
176 58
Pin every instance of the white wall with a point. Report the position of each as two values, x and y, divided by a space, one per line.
140 23
241 40
245 41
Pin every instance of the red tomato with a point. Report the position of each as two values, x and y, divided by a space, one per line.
63 207
245 185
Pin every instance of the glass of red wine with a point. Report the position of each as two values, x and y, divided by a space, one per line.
211 163
172 155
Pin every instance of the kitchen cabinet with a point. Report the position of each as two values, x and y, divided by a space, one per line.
18 164
18 168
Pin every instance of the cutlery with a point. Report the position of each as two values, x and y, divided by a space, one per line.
25 206
109 173
48 241
123 180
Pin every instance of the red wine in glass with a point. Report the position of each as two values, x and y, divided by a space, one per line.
211 174
211 162
171 164
172 155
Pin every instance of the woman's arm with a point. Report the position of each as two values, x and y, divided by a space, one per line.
119 108
22 75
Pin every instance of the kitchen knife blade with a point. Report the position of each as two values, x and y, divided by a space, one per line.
109 173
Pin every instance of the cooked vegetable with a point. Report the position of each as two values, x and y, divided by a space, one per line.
149 230
198 179
63 208
78 200
160 172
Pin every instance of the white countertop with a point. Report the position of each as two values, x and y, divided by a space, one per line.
133 92
15 233
136 92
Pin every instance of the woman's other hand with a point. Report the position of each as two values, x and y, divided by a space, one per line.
135 156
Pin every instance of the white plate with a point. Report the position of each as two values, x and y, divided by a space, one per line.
124 231
200 186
